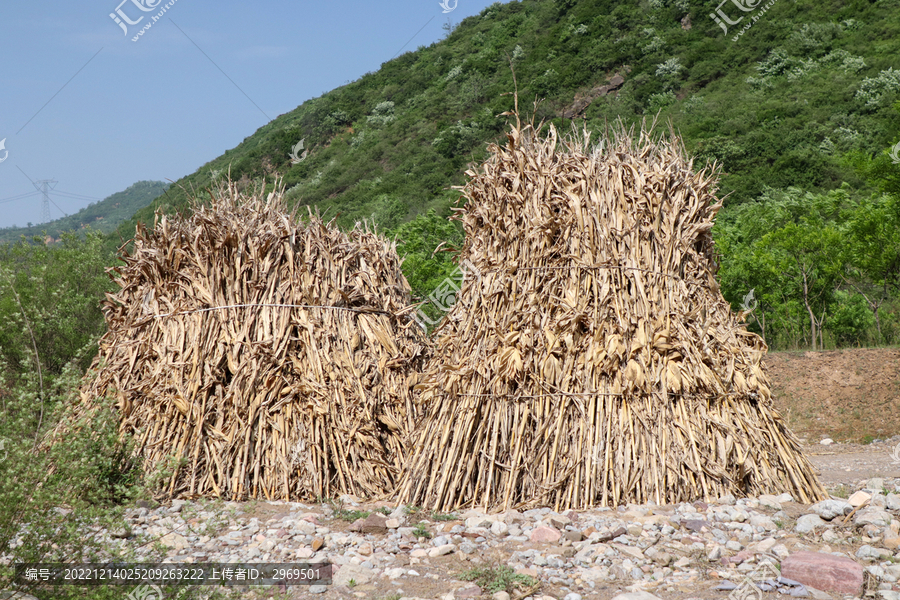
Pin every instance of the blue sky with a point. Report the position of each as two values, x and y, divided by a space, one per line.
82 103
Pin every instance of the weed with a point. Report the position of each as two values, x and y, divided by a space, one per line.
499 579
421 532
343 514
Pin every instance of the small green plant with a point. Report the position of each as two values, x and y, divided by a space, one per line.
868 439
421 532
435 516
500 579
351 583
343 514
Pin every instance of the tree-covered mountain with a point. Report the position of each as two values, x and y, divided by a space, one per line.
104 216
798 105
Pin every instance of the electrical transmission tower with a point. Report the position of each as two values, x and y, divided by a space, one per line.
45 204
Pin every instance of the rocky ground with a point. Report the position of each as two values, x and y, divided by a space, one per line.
705 550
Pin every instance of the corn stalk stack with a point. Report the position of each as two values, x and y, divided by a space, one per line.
264 358
590 358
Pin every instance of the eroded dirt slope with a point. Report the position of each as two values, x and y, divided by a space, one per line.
847 395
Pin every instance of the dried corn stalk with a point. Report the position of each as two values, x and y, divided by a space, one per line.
593 360
275 360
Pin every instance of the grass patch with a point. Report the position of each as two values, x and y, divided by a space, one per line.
500 579
421 532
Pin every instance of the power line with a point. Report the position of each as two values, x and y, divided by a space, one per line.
19 197
74 195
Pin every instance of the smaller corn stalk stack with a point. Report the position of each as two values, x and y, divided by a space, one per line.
264 358
591 359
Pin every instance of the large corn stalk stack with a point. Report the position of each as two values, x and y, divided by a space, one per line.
590 358
270 359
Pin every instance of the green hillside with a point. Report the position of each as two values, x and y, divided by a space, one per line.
784 105
799 111
104 216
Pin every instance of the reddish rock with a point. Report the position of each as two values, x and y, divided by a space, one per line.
824 572
737 558
374 523
696 525
469 592
609 535
545 534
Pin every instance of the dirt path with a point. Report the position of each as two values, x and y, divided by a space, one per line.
849 464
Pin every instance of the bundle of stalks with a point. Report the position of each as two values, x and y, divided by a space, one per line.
262 357
591 359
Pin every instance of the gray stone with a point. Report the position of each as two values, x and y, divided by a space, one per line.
893 501
870 553
318 589
468 548
808 523
872 516
829 509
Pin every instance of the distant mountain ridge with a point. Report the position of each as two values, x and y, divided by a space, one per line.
104 216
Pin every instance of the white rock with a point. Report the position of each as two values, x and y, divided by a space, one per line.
827 442
765 545
499 528
500 596
393 573
769 501
441 550
358 574
808 523
636 596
